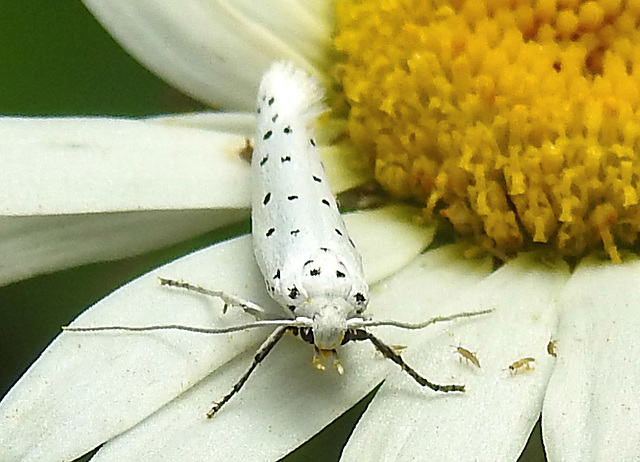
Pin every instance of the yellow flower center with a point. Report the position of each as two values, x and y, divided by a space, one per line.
516 120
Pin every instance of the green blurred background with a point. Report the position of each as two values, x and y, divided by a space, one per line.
56 60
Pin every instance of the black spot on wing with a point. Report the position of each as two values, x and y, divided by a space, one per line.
271 101
277 275
340 274
312 141
316 179
285 159
315 272
292 198
270 231
264 160
266 199
267 135
293 292
287 130
359 297
326 202
338 232
294 232
274 118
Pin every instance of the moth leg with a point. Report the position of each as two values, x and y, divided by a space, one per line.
389 353
229 300
262 352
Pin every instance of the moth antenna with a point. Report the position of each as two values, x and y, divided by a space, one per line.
422 325
200 330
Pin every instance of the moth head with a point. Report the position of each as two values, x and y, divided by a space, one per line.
329 323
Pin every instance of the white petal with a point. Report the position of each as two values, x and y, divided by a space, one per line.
342 167
80 165
493 419
84 384
238 123
592 408
217 51
42 244
79 190
392 244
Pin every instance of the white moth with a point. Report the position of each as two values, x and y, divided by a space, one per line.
310 265
301 244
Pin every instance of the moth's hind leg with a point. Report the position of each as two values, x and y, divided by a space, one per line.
228 299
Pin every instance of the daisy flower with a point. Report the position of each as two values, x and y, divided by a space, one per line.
514 125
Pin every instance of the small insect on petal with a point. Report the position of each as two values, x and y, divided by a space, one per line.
246 152
521 365
468 356
551 348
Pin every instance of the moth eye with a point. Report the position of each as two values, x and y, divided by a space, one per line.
306 334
